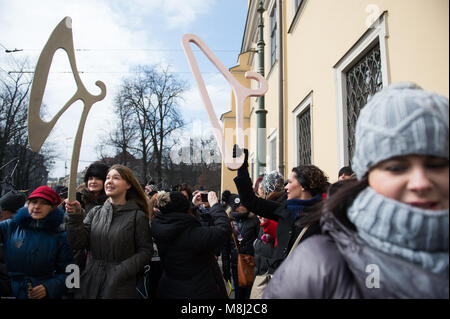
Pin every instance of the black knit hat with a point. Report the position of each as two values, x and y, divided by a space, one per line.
234 201
169 202
226 195
98 170
12 201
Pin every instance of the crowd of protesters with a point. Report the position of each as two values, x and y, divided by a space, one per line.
384 221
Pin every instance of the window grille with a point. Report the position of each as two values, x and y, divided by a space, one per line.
364 79
304 138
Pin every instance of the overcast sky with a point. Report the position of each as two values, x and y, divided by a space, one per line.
110 38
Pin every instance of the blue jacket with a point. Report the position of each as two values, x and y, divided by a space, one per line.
37 252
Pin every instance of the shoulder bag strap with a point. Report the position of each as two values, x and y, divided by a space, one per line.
234 238
298 239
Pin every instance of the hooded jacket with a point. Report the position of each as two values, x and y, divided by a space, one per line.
120 243
187 249
341 265
37 252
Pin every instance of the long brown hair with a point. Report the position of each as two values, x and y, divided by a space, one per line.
135 192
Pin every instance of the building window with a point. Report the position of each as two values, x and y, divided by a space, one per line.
304 137
360 73
363 80
273 152
302 116
273 35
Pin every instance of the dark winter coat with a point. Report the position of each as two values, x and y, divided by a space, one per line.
205 218
186 249
88 202
37 252
287 229
337 267
263 253
120 244
5 283
248 227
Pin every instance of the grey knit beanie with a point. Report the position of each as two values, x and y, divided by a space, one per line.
400 120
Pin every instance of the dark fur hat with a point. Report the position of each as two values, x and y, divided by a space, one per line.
12 201
98 170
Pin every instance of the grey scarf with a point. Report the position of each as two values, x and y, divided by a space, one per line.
417 235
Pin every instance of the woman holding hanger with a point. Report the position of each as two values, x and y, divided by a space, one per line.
117 234
304 190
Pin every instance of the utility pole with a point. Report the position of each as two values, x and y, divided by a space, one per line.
260 112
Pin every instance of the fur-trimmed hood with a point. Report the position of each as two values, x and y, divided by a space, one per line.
51 223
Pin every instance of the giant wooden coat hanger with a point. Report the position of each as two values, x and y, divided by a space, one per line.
38 130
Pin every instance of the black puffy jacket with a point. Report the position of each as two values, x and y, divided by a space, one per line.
187 249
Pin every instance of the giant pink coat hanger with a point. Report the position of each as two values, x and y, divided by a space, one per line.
240 94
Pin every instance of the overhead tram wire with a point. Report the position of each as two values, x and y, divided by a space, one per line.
118 72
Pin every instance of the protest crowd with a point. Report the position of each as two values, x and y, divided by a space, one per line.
384 222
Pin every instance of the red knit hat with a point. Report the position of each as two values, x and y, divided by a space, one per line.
47 193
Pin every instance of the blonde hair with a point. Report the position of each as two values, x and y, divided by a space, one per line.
135 192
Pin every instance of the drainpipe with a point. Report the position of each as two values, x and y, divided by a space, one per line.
260 112
280 90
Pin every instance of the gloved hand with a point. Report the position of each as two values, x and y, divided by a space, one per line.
237 151
266 238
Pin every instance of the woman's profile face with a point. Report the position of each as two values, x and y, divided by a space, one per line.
293 187
418 180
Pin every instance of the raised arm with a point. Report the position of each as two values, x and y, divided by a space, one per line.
259 206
